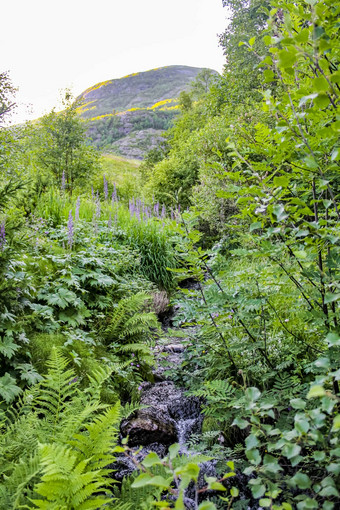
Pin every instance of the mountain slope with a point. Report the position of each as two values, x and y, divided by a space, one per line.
128 115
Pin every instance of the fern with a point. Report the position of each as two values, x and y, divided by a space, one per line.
58 443
130 321
55 391
100 438
68 481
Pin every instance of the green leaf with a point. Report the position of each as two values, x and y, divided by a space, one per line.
217 486
336 422
298 403
240 423
191 470
265 502
319 456
254 455
279 212
287 58
301 424
335 156
8 388
7 347
316 391
252 394
330 297
141 481
307 504
281 181
151 459
207 505
159 481
333 339
252 41
252 441
173 450
234 492
301 480
231 465
322 101
291 450
329 491
258 490
255 226
320 84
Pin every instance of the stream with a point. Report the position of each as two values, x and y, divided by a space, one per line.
169 417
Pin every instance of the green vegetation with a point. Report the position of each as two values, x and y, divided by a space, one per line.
128 116
243 199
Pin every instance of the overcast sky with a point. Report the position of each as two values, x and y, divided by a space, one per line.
50 45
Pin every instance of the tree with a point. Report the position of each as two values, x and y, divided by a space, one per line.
200 86
248 19
62 147
7 92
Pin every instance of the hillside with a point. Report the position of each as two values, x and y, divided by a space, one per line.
128 115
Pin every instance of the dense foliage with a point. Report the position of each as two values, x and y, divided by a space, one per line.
243 199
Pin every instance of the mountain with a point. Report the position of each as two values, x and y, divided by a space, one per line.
128 115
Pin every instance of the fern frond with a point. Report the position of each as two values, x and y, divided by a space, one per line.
100 439
69 481
24 473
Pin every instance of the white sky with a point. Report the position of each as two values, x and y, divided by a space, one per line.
50 45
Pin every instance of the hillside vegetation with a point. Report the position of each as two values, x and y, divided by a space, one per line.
234 222
128 115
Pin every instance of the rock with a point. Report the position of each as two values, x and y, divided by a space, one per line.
151 426
179 348
158 423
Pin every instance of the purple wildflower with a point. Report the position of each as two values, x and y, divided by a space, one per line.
2 235
109 223
76 216
70 231
163 213
97 207
92 193
63 182
140 388
106 190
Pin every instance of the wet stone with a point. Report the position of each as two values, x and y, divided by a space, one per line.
162 421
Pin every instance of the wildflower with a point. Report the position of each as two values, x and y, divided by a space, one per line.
70 231
76 216
137 366
2 235
286 320
163 213
63 182
139 388
133 354
132 364
106 191
97 207
109 223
